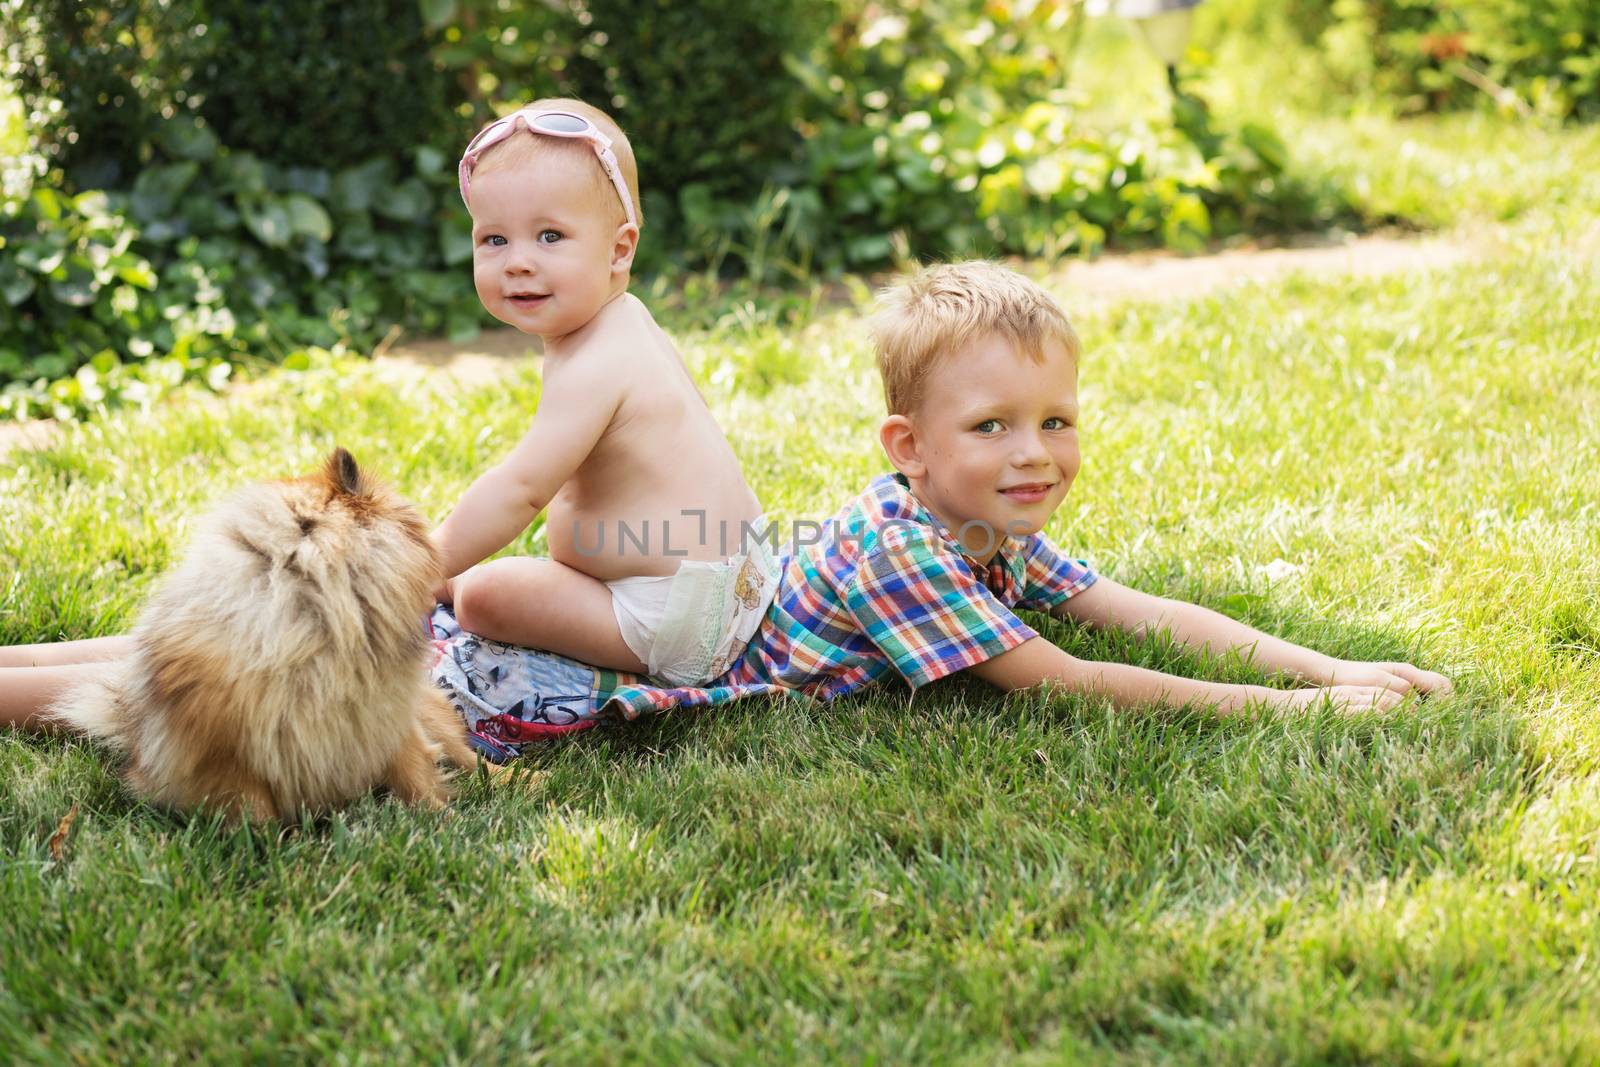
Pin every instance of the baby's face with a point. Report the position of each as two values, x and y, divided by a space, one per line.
998 435
542 248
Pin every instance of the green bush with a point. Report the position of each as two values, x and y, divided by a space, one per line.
935 126
213 253
322 83
939 127
95 80
701 88
309 82
1432 55
343 226
1547 50
280 198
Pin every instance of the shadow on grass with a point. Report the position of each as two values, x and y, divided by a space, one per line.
1175 802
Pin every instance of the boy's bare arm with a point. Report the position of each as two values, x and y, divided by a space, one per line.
1107 604
1038 662
575 408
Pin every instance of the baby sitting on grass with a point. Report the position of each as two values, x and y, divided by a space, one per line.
656 560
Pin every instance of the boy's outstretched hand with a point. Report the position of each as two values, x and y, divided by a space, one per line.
1402 678
1340 698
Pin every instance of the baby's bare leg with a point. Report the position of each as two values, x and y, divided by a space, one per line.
539 603
25 692
62 653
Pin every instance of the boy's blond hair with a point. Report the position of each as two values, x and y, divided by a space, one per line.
524 148
939 309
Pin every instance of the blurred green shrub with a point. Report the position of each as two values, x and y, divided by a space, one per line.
774 139
314 82
198 249
213 253
97 81
1430 55
286 179
700 88
1547 50
944 126
326 83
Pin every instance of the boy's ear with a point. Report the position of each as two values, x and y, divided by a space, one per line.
899 439
623 247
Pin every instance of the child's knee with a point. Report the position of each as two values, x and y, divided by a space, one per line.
475 599
487 595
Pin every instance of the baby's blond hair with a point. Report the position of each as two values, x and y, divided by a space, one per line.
523 148
936 311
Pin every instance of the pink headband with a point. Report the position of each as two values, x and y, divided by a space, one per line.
550 123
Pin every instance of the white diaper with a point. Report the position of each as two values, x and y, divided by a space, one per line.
689 627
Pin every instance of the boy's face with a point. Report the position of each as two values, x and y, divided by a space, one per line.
544 252
992 448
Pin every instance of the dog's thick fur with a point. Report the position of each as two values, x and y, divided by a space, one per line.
279 668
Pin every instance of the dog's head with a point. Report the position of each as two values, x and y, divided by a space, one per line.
333 557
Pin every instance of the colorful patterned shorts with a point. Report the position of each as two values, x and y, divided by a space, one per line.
509 696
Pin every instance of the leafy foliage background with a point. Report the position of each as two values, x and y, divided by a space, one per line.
208 183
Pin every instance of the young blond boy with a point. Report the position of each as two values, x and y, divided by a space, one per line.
980 374
656 564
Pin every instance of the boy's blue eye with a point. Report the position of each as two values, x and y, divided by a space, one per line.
494 240
549 237
1059 424
988 426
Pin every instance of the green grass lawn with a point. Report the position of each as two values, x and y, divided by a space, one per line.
1393 467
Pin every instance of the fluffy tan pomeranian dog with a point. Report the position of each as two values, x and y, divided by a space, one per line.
280 667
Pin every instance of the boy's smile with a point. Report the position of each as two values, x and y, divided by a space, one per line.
992 447
543 248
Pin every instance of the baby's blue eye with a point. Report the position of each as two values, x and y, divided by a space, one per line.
988 426
495 240
1057 424
549 237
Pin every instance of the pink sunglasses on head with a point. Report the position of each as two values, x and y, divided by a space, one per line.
550 124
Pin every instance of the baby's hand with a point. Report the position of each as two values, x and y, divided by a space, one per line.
1400 677
1341 698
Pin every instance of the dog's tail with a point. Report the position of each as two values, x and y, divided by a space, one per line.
98 705
444 731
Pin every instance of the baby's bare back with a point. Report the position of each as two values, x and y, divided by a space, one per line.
662 484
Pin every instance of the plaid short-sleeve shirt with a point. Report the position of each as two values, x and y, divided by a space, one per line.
882 591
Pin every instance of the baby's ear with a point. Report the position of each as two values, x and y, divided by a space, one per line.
343 475
624 246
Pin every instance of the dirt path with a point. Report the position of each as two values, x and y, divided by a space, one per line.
1165 276
35 433
1135 276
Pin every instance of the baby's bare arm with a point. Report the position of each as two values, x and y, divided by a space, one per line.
580 398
